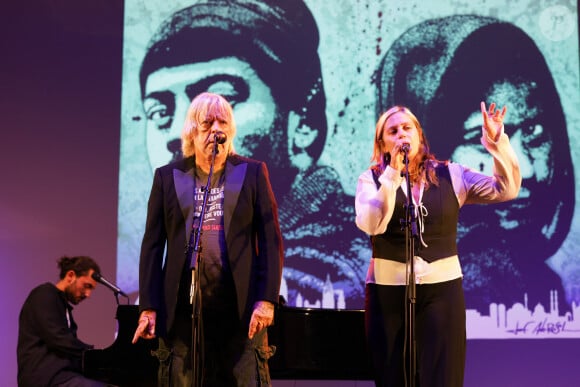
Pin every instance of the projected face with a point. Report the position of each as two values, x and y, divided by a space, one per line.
169 91
529 140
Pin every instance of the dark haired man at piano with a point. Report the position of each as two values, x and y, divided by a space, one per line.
49 352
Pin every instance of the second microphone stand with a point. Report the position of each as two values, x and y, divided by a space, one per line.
410 225
194 252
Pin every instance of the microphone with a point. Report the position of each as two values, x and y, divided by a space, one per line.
99 278
406 147
220 137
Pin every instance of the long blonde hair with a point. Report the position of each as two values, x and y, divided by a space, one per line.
202 106
422 166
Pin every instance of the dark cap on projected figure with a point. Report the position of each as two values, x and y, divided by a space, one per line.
279 40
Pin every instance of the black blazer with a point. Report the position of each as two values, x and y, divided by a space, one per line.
252 233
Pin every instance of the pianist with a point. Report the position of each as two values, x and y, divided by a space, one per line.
49 352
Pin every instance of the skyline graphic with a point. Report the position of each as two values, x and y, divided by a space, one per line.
518 321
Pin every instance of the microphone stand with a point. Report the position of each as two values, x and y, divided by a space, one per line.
193 251
410 225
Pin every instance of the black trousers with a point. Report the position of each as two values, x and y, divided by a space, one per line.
440 334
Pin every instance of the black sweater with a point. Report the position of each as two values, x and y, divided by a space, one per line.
49 351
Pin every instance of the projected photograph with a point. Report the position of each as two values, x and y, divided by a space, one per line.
308 80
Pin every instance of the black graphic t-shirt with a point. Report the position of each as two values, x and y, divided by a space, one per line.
216 279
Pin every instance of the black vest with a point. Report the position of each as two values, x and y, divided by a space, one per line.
440 224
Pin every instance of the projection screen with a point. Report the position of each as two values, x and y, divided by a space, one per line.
329 69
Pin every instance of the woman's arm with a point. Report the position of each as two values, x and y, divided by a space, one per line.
374 206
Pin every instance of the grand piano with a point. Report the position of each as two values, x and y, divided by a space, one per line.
310 344
124 364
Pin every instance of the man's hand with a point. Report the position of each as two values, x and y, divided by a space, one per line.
262 317
492 121
146 327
